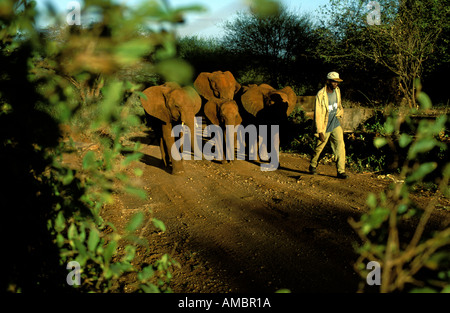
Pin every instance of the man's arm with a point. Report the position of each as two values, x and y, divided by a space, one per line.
319 118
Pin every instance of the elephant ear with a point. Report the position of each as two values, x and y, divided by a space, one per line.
154 103
292 99
253 100
203 86
210 110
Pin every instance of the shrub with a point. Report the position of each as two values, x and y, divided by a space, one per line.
406 257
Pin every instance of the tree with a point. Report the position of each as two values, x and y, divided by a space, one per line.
279 45
405 39
404 45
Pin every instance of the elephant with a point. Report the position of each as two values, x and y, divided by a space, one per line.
166 105
264 105
223 113
218 90
216 85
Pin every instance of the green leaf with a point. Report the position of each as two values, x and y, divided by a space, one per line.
150 288
146 273
142 95
133 121
264 8
89 160
68 178
135 222
176 70
130 252
82 252
446 171
402 208
136 192
421 146
107 108
424 100
374 219
389 125
109 251
439 124
379 142
60 222
72 232
119 268
93 240
138 172
423 170
372 201
159 224
131 51
131 158
404 140
60 240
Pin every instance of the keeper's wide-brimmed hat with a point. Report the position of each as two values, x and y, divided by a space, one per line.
334 76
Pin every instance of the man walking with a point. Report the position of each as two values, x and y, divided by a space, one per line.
327 114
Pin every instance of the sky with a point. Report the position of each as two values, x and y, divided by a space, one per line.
206 24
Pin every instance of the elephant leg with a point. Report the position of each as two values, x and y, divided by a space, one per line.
234 147
252 148
275 148
262 148
223 147
164 156
227 153
171 151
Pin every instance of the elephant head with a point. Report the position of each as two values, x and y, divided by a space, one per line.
216 85
266 101
171 103
223 112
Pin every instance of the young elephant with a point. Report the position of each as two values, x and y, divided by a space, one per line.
218 90
168 104
224 113
264 105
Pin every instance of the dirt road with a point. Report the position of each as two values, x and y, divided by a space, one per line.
235 228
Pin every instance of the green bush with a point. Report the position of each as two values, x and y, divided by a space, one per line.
416 261
298 136
76 76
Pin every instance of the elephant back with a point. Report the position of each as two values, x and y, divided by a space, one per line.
254 98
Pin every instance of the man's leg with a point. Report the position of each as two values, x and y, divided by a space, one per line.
338 146
319 148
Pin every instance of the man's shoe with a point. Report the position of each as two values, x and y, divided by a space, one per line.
312 170
342 175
